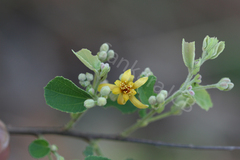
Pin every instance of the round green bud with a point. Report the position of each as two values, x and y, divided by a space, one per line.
101 101
89 76
81 77
160 98
110 54
102 56
113 97
105 68
105 91
164 92
54 148
225 84
84 83
91 91
89 103
152 100
104 47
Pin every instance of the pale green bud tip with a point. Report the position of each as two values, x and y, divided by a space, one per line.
104 47
102 55
89 76
181 104
84 83
146 73
160 98
105 68
120 77
225 84
152 100
105 91
54 148
91 91
164 92
113 97
81 77
101 101
188 53
89 103
110 54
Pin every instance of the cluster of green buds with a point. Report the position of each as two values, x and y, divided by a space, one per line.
157 102
105 53
225 84
85 79
146 73
211 50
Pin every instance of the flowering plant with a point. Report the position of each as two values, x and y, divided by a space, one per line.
63 95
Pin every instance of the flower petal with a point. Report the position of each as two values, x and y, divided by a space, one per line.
120 99
131 78
117 82
140 82
116 90
137 103
126 76
132 92
111 86
125 97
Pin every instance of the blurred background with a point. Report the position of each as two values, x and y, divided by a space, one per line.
36 38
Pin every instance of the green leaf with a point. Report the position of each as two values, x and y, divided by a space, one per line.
85 56
62 94
126 109
146 90
202 98
96 158
88 151
39 148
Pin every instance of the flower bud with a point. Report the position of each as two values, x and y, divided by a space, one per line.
84 83
160 98
89 76
152 100
105 91
164 92
188 53
110 54
81 77
91 91
198 78
102 56
105 68
191 92
101 101
89 103
197 65
113 97
104 47
54 148
225 84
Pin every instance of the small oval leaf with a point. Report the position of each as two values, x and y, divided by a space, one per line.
85 56
39 148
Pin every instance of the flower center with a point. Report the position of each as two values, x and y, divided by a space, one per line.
125 87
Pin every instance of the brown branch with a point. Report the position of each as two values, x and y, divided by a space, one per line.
89 136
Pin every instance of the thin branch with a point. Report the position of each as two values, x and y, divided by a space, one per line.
90 136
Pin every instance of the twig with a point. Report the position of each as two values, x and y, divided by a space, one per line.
89 136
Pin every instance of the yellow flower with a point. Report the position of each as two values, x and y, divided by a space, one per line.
125 89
